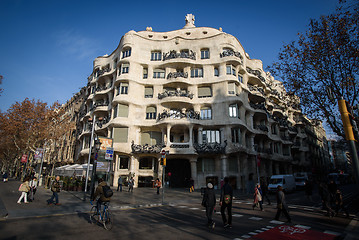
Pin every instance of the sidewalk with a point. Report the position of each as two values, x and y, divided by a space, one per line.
72 202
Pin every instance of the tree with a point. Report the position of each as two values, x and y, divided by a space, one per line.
325 57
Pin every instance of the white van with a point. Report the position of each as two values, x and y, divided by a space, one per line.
286 181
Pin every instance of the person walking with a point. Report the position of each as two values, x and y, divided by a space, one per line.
158 185
339 204
119 183
326 199
33 185
24 188
282 205
209 202
264 188
55 188
226 203
4 176
258 200
131 182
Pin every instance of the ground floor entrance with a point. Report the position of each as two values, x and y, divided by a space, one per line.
178 173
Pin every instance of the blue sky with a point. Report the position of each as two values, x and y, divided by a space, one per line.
47 47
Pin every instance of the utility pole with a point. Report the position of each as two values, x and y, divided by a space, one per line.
349 136
89 159
163 163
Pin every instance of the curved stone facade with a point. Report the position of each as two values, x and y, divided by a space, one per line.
195 93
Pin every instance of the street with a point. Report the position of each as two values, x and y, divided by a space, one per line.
178 219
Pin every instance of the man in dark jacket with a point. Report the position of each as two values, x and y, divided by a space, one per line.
99 192
226 202
282 205
55 188
209 202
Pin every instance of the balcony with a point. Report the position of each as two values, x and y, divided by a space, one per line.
256 73
137 148
189 114
230 52
177 75
176 93
260 127
260 106
173 54
215 148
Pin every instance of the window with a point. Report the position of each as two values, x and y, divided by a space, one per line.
148 92
156 56
240 78
123 162
204 92
145 163
206 113
120 134
206 165
205 54
122 110
216 72
159 73
126 53
274 129
196 72
151 138
151 113
145 73
211 136
231 70
115 112
233 111
122 88
236 135
232 88
125 68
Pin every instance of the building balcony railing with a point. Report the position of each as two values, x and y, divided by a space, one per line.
102 120
230 52
260 106
137 148
179 145
189 114
177 75
216 148
260 127
175 93
256 73
256 89
173 54
293 129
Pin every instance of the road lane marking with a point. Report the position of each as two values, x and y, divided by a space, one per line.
302 226
276 222
256 218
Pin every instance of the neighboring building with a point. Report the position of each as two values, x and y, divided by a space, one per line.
341 156
195 93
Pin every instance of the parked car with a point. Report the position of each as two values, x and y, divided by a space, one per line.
286 181
300 182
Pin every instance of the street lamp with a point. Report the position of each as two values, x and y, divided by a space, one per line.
97 145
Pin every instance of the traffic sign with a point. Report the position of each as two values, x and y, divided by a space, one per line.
109 153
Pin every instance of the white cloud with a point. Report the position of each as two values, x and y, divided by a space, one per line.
74 44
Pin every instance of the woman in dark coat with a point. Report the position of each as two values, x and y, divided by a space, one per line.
209 202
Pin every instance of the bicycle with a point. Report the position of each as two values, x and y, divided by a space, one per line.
103 217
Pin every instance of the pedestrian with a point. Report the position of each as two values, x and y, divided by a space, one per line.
257 197
55 188
191 182
33 185
158 185
339 204
209 202
131 182
119 183
282 205
24 188
226 203
264 188
102 185
308 188
326 199
332 187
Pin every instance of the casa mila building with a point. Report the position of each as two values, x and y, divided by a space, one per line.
196 94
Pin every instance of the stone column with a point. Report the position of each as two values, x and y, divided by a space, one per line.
193 162
245 171
239 174
224 166
200 140
168 135
191 136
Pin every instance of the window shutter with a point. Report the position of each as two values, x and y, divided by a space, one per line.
204 92
120 134
145 138
231 88
148 91
122 110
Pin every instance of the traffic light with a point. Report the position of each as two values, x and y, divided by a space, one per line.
346 118
163 161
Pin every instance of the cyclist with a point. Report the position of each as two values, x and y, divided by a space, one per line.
100 192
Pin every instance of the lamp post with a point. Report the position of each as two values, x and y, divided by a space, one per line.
97 145
89 158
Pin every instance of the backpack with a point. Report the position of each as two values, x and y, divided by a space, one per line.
107 191
227 199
